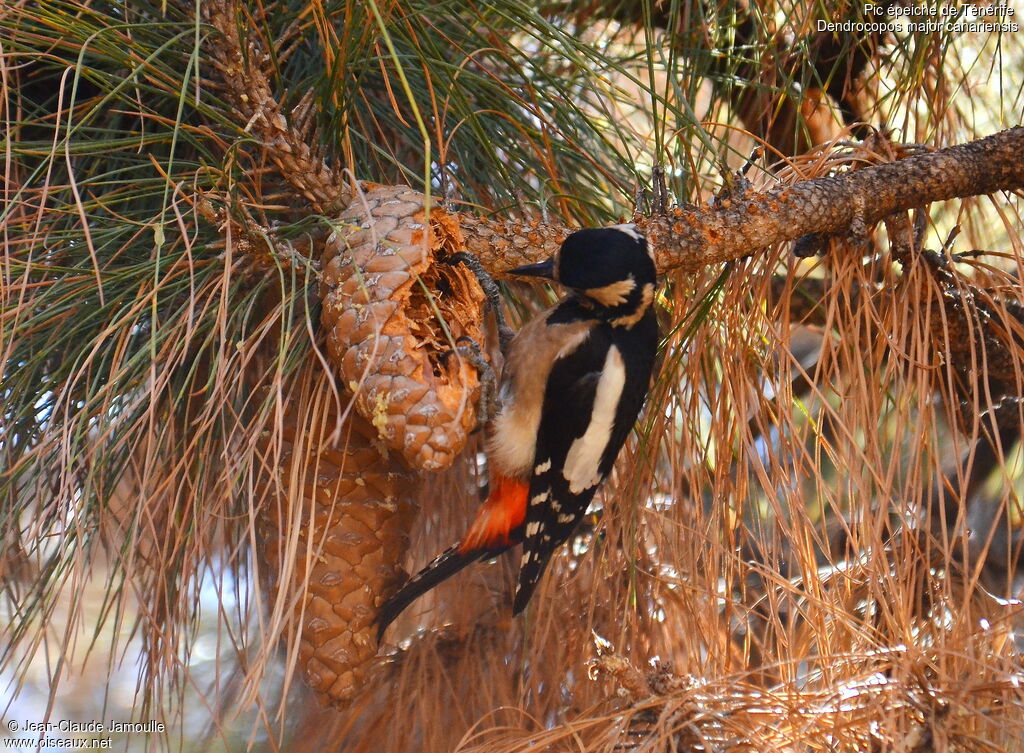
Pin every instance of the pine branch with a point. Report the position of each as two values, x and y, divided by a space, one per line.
690 237
243 66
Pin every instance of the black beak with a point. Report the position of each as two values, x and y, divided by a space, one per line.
545 269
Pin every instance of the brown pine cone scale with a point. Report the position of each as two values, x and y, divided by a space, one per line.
393 310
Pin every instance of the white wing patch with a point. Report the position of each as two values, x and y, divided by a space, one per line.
512 441
582 464
543 467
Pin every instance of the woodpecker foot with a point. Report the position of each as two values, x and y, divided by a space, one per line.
487 403
490 288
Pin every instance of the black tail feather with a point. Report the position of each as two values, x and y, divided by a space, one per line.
535 562
442 567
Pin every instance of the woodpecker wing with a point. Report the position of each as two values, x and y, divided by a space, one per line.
591 401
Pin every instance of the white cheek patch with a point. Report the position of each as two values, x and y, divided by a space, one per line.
613 295
646 298
582 464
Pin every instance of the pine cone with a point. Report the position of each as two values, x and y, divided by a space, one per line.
383 288
344 533
392 309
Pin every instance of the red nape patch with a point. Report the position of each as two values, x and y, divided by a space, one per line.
504 510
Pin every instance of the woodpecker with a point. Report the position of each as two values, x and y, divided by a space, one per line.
574 380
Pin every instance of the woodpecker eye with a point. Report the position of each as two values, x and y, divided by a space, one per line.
605 259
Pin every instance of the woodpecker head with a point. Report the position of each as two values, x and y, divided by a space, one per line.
611 269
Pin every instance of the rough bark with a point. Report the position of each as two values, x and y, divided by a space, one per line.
690 237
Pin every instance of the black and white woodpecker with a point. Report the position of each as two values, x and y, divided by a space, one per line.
574 380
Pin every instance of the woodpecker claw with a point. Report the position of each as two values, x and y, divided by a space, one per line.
659 191
487 403
493 293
